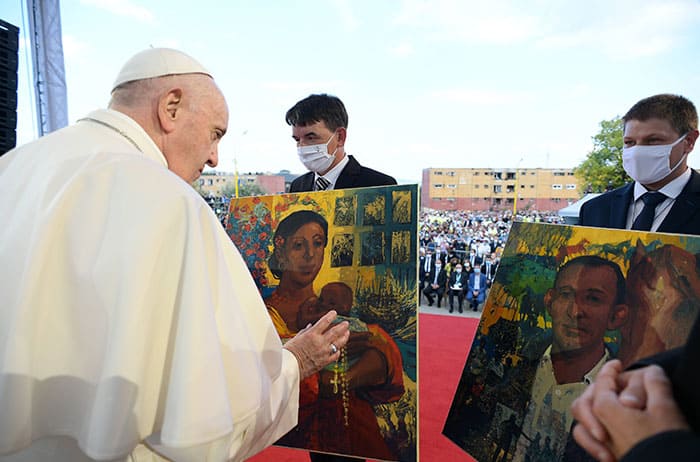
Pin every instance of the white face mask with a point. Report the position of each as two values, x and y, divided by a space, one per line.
315 157
649 164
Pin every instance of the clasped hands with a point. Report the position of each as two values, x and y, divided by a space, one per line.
620 409
312 345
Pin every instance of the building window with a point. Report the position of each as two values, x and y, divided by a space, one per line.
450 173
522 186
570 186
532 173
497 188
558 173
570 174
476 173
532 186
438 186
476 186
486 186
556 186
497 176
510 188
438 173
451 186
210 182
510 176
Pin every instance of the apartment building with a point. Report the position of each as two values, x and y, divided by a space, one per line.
539 189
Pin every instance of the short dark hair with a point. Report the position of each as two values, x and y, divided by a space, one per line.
594 261
677 110
288 226
318 108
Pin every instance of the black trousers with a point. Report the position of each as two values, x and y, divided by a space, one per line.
429 292
460 298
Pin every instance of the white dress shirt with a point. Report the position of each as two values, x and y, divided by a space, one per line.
671 191
333 174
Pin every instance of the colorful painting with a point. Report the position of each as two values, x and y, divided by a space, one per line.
353 251
565 300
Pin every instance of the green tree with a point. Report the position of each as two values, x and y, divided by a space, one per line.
603 165
244 190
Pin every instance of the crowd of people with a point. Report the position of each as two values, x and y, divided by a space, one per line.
460 252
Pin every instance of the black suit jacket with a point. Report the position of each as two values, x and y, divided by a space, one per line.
422 273
463 278
441 277
609 210
353 175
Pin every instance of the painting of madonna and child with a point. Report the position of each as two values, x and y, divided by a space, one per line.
564 301
352 251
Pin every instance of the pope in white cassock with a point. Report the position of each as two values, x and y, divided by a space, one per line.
130 328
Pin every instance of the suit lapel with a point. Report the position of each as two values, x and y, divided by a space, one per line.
348 177
685 208
308 181
618 207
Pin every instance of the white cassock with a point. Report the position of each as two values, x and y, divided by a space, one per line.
129 323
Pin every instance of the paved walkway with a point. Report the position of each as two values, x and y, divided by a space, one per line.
445 309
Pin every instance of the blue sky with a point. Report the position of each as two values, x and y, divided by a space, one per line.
440 83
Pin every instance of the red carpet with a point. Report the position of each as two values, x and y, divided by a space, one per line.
444 344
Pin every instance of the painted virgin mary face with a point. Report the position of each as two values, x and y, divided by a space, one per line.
303 254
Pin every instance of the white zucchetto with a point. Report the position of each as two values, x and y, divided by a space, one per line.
158 62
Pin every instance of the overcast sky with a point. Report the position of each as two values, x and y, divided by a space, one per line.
435 83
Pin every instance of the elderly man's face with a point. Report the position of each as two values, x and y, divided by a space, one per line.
196 141
582 306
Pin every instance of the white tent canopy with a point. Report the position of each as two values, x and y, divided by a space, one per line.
570 212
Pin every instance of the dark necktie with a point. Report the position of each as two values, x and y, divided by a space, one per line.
322 184
646 217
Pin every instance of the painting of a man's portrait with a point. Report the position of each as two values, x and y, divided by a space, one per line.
352 251
564 301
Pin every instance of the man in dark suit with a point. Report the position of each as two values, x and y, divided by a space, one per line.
649 413
457 285
425 266
319 127
488 269
437 280
474 259
659 133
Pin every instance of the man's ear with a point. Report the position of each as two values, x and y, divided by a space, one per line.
548 300
169 107
342 136
618 316
691 138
